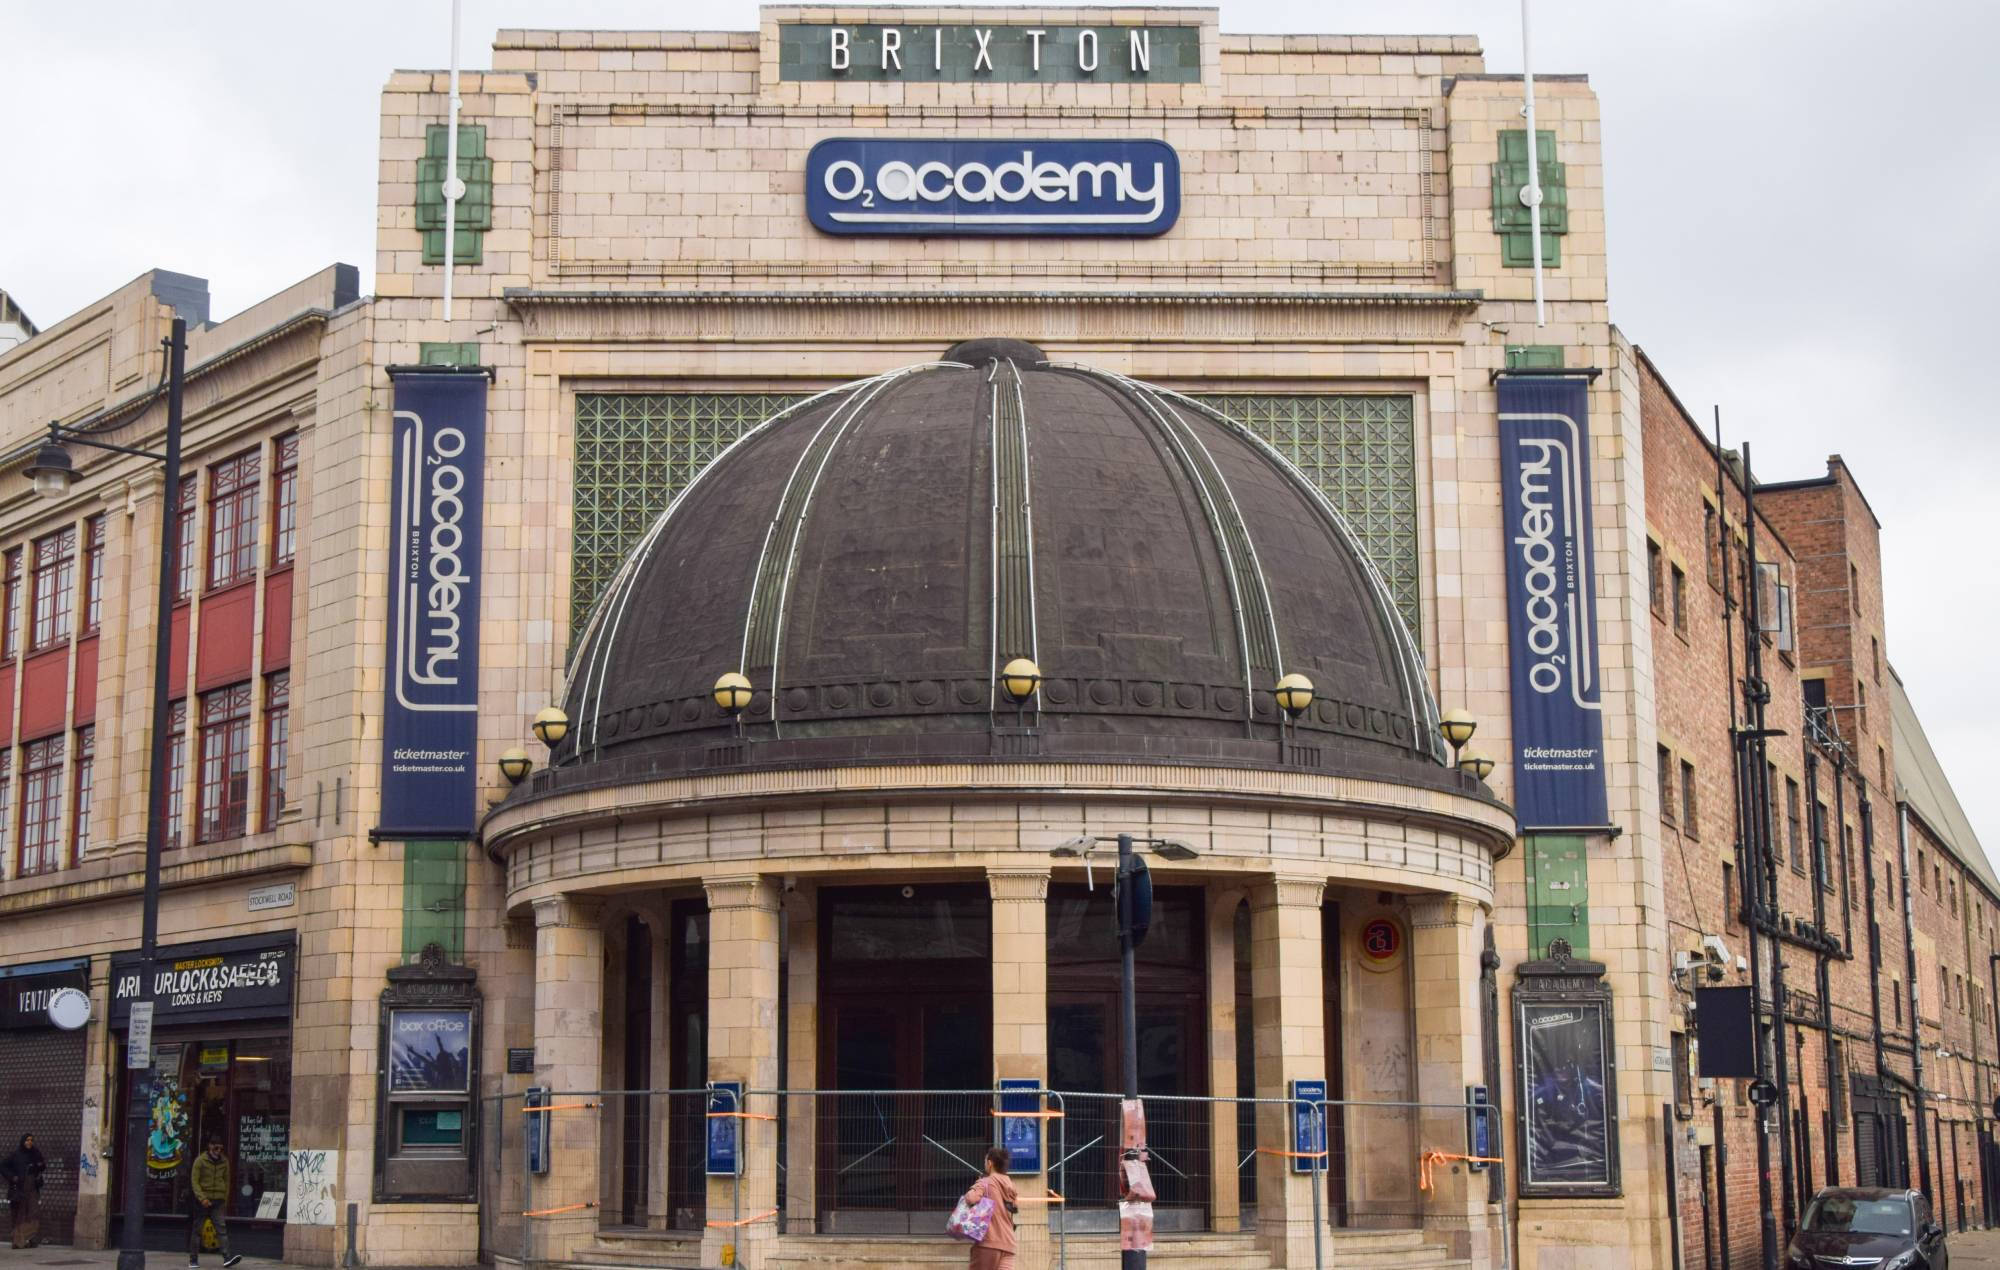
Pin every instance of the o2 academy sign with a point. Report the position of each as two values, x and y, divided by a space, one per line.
995 54
945 185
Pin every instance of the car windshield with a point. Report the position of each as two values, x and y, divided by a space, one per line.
1859 1216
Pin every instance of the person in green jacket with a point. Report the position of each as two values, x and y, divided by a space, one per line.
208 1189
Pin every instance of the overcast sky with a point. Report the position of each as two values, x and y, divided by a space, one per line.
1804 210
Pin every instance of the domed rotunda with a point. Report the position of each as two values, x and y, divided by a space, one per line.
841 733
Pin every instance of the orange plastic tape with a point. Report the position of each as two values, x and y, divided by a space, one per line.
556 1106
747 1220
550 1212
1293 1155
1028 1115
740 1115
1430 1159
1050 1198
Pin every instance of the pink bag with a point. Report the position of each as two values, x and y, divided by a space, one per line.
971 1222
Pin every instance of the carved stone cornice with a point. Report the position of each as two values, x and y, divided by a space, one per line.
1430 912
576 912
751 891
1288 892
1018 886
942 317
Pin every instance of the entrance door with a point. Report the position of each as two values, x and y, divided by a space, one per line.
635 1118
687 1057
906 1026
1085 1040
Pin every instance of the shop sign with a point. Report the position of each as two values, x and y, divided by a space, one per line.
952 185
27 992
430 1051
994 54
202 983
1551 603
437 510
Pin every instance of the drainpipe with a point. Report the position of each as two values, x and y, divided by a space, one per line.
1820 870
1867 810
1916 1009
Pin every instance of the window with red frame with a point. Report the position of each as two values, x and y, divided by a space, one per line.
224 808
41 805
285 501
176 771
10 622
184 554
277 743
232 520
54 587
81 780
93 573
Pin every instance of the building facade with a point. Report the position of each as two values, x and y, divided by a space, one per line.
860 356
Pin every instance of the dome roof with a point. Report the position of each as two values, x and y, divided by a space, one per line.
871 557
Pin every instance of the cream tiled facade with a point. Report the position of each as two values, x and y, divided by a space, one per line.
648 234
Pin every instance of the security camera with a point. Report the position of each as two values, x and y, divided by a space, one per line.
1715 950
1714 973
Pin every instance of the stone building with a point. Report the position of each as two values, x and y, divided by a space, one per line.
860 356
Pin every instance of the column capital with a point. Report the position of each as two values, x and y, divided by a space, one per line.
746 890
1026 886
1287 892
1432 911
567 910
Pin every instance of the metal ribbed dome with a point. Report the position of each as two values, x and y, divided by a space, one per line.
871 558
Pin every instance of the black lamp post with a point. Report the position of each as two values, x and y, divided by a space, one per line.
52 472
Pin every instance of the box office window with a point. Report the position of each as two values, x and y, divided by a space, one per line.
636 453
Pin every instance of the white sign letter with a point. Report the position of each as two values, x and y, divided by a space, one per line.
1035 42
937 49
984 56
839 37
892 48
1142 51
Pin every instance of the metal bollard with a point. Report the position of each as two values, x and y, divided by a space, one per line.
352 1258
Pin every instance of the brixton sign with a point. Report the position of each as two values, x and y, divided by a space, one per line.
945 185
228 979
998 54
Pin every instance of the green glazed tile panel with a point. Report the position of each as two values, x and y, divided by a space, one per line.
1558 875
1534 357
1511 218
436 354
475 210
434 898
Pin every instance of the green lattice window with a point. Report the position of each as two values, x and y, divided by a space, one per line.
1362 452
635 453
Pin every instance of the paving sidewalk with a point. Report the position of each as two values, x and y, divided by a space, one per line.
1974 1250
60 1258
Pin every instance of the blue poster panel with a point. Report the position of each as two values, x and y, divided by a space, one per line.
991 185
725 1128
1551 603
437 509
535 1135
1021 1125
430 1051
1308 1126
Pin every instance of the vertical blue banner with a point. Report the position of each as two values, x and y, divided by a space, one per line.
430 711
725 1129
1021 1125
1308 1126
1551 603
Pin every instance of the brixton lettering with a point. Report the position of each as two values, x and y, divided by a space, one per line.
991 54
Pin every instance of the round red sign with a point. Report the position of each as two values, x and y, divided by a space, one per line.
1381 939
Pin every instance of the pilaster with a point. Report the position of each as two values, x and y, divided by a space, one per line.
744 918
569 1047
1288 1010
1447 935
1020 959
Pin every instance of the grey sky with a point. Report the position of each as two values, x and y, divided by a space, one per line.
1803 211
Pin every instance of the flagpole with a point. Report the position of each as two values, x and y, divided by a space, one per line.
454 189
1531 193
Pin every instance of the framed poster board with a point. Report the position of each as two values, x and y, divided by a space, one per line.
1566 1065
1020 1125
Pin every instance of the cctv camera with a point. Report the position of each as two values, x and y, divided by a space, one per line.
1715 974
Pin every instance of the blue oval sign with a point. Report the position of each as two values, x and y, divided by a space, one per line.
944 185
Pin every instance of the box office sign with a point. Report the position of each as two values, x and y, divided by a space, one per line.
989 53
225 981
437 510
1551 603
430 1051
1034 187
27 991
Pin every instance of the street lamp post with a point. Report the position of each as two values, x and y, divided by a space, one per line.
52 471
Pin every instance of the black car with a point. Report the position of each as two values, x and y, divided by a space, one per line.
1868 1228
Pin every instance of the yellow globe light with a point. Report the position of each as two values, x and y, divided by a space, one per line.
551 726
1475 764
1458 727
515 764
732 693
1295 694
1019 678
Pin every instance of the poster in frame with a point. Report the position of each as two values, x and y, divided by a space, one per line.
1566 1069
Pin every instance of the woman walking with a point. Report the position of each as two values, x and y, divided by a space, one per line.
23 1172
996 1251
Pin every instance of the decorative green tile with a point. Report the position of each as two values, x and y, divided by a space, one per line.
1512 219
1534 357
434 898
435 354
475 210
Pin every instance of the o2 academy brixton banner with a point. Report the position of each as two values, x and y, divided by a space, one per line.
1551 603
430 712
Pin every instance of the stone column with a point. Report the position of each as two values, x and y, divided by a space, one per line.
1021 1022
1288 1011
1446 938
743 922
569 1058
1224 1154
802 1061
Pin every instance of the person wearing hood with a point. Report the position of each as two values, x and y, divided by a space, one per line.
23 1172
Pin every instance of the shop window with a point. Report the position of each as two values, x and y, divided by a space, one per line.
1688 820
1656 584
82 778
225 763
1792 835
285 500
1679 582
93 574
277 743
1664 775
176 771
184 546
41 805
10 622
53 593
232 520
